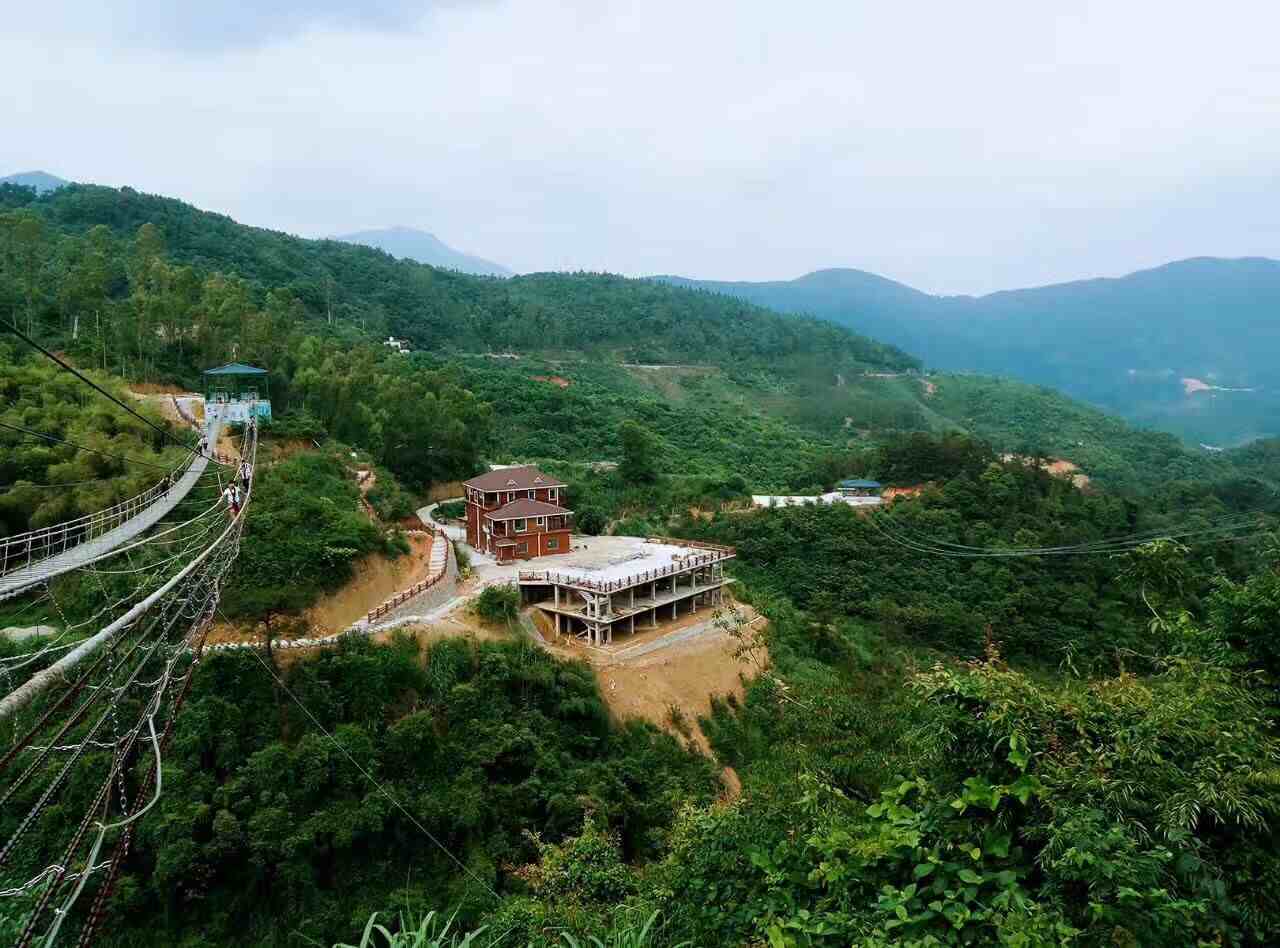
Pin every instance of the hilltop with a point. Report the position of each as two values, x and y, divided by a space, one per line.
1137 345
412 244
42 181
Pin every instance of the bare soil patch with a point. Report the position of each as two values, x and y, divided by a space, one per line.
673 687
556 380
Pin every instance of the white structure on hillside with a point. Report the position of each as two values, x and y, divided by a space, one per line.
835 497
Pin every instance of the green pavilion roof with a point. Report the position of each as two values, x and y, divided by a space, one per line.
236 368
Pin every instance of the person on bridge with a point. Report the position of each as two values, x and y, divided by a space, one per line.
229 498
244 475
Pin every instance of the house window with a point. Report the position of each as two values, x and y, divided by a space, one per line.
553 543
522 548
511 495
521 526
533 495
554 494
542 521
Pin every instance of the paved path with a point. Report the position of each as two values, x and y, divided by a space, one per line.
20 580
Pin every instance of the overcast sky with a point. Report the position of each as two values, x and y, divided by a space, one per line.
958 147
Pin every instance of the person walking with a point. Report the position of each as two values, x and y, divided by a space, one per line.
229 498
244 475
235 498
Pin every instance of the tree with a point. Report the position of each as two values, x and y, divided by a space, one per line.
639 450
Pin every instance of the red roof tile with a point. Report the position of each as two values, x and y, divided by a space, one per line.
523 509
524 477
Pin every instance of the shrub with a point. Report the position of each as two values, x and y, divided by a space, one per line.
498 604
450 510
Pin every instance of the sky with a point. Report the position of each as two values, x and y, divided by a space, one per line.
957 147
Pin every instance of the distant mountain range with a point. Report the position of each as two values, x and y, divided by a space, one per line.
406 242
1192 347
42 181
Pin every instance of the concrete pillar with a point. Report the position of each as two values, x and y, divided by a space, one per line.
633 623
557 589
557 625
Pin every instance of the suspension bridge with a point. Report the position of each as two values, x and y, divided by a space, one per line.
32 558
86 713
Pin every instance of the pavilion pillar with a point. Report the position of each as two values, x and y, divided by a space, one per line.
557 589
633 623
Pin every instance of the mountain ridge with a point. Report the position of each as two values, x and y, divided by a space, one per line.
423 247
42 181
1122 343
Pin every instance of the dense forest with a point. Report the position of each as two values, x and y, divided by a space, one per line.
344 284
1030 751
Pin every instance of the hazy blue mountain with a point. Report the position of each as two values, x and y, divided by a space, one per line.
424 248
1126 344
42 181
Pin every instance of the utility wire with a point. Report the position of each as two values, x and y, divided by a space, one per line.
1228 525
13 328
990 553
81 447
368 776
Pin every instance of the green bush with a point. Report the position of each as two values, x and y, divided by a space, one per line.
498 604
302 538
450 510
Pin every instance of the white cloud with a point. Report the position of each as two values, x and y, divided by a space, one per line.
957 147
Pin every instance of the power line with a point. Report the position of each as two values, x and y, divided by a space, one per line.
368 776
1081 550
81 447
13 328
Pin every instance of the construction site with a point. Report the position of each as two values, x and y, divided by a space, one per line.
604 590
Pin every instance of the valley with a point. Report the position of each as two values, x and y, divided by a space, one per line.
1028 701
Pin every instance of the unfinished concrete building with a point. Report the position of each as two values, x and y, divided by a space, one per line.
658 583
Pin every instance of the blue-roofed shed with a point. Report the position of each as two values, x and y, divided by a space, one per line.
858 487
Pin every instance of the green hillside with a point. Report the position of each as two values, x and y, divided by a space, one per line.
440 310
154 290
1124 344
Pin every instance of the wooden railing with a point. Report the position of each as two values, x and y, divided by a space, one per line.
400 598
696 544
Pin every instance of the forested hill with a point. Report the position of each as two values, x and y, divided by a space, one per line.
1124 344
632 320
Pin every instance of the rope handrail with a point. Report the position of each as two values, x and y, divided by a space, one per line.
23 549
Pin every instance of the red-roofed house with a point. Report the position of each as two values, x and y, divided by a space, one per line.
514 513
